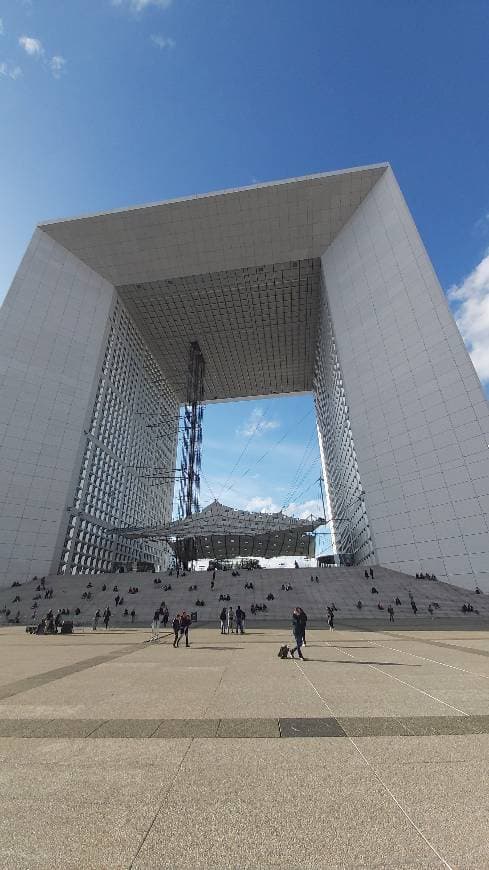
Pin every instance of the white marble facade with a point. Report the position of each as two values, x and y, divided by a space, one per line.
419 417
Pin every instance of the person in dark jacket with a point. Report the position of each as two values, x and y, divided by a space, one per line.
297 632
176 629
107 615
185 622
222 619
239 620
303 621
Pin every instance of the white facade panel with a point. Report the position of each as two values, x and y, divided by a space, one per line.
415 401
52 329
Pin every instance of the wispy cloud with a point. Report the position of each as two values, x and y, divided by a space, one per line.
470 302
257 424
10 71
31 46
163 41
57 65
138 6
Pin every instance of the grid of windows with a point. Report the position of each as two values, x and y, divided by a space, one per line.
130 448
349 516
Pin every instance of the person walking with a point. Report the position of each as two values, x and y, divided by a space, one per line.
133 615
371 570
222 619
390 611
331 618
230 621
155 626
297 632
185 622
107 615
303 621
95 620
176 628
166 616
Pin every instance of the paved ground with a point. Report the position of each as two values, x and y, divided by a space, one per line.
370 754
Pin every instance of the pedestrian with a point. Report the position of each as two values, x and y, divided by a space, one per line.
390 611
176 629
213 575
133 615
166 616
107 615
185 622
230 621
331 618
303 621
239 620
366 574
297 632
95 620
371 573
155 626
222 619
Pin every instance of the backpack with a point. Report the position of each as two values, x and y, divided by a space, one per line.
283 652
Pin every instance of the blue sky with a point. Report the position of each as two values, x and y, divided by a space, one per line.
106 104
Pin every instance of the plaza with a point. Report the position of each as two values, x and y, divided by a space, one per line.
117 753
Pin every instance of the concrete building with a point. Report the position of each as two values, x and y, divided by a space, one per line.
314 284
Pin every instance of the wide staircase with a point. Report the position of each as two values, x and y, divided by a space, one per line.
343 587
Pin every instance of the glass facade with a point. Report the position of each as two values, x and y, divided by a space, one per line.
126 474
351 533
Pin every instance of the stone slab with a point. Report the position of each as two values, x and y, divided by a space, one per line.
328 727
246 728
132 728
187 728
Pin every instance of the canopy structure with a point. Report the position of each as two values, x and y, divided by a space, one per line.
220 532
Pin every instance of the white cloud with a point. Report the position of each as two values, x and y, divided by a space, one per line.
137 6
57 65
262 505
304 509
470 302
31 46
163 41
266 505
10 71
256 424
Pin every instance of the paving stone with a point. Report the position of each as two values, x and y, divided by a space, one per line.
374 726
16 727
68 728
248 728
421 726
187 728
311 728
126 728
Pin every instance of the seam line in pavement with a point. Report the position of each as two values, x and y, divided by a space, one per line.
403 682
405 652
378 777
38 680
160 806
